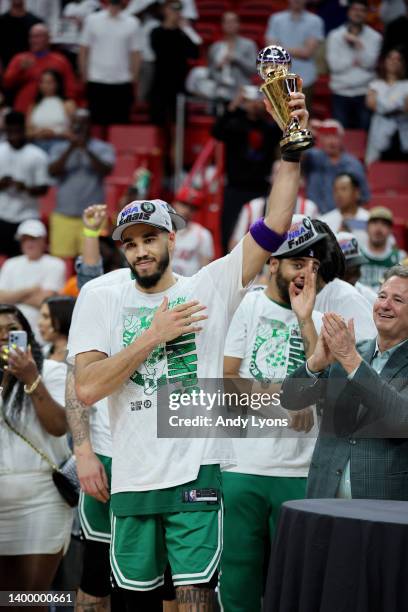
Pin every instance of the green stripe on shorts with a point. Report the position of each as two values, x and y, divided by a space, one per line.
95 515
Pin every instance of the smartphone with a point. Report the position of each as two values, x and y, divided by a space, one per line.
19 339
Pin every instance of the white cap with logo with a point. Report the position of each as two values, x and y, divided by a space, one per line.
301 236
351 250
31 227
150 212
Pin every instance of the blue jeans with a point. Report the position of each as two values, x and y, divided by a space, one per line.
351 112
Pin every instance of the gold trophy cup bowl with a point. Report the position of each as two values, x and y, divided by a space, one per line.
273 66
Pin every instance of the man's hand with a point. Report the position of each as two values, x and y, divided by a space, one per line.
303 300
297 106
302 420
170 324
321 357
92 476
94 216
340 339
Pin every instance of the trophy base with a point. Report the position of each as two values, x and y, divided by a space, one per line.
298 140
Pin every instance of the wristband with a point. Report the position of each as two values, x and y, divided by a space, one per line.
265 237
90 233
292 156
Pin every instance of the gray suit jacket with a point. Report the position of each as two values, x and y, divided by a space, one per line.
364 419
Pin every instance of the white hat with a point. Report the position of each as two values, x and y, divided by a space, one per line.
31 227
301 236
150 212
351 250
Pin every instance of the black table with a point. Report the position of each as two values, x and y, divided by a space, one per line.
337 555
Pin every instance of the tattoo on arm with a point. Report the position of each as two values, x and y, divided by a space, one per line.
77 412
193 599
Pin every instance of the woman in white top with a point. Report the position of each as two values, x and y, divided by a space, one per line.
54 323
49 119
35 521
387 97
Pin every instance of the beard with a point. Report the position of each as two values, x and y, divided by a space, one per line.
283 287
147 282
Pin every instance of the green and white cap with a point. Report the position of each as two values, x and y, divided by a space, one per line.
150 212
300 240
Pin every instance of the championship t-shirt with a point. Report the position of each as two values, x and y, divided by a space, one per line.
344 299
266 336
111 318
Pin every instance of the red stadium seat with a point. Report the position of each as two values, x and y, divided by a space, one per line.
47 204
134 138
355 142
211 10
125 166
397 203
321 107
259 10
198 133
387 177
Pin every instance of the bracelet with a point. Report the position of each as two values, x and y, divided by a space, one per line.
90 233
266 237
28 390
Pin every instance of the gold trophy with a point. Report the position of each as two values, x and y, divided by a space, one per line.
273 65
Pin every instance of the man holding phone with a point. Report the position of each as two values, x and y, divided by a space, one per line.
23 178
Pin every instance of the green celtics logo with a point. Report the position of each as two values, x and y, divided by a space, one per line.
176 361
148 207
269 353
152 372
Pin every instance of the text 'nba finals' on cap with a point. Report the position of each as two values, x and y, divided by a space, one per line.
300 240
150 212
381 213
351 250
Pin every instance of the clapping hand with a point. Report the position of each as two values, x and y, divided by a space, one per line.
340 339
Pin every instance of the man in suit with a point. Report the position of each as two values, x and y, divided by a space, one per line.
362 448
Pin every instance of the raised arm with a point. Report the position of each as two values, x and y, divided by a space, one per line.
281 202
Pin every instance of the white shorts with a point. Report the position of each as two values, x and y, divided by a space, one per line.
34 518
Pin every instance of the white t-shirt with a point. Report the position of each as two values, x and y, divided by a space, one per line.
50 113
366 292
99 425
266 336
28 165
255 209
15 454
19 272
113 317
193 243
110 41
357 225
344 299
